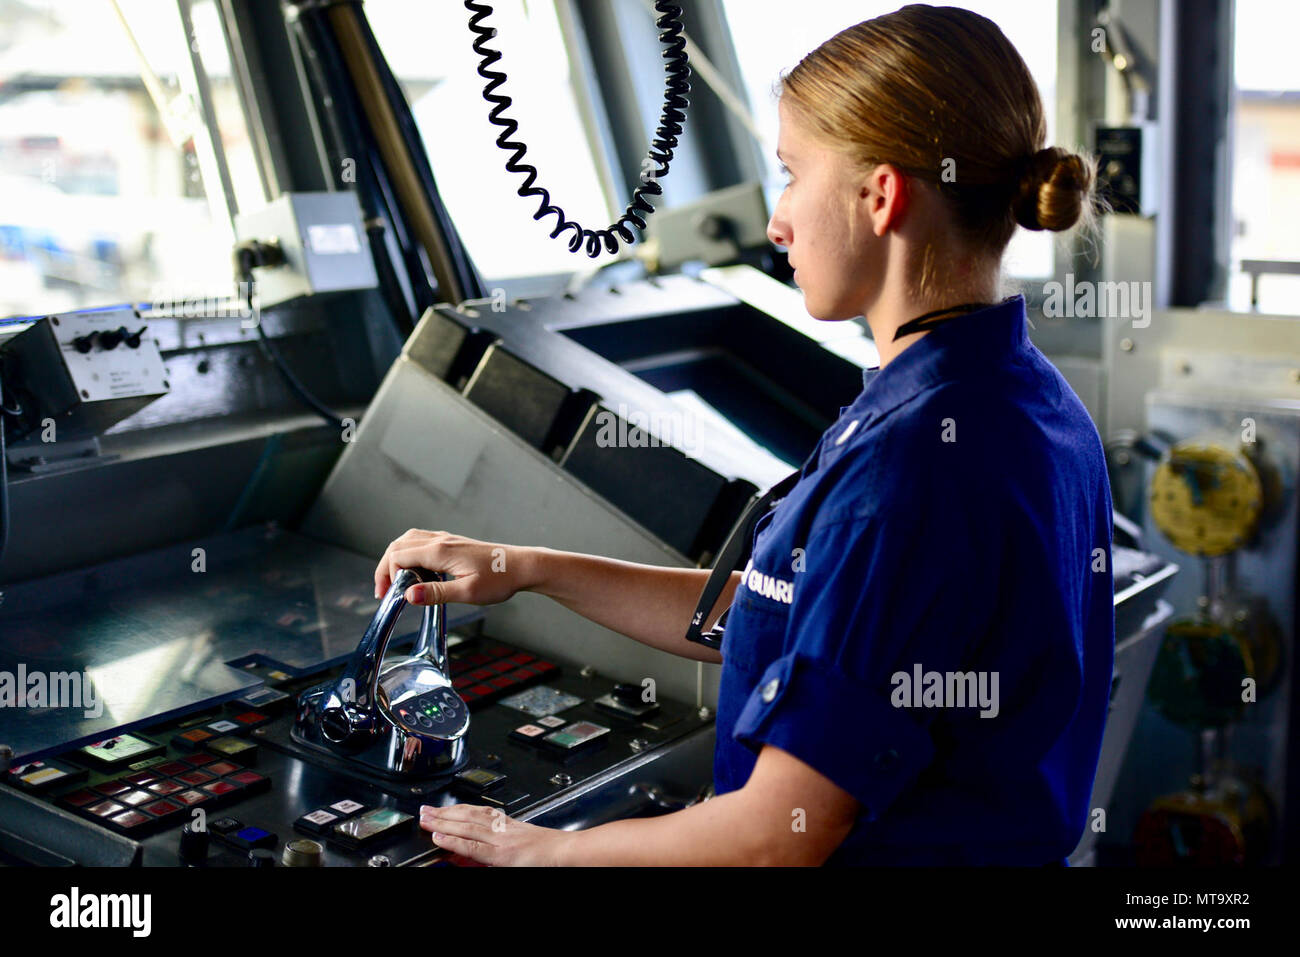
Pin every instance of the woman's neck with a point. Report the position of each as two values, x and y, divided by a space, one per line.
899 302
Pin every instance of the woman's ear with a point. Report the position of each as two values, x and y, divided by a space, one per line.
884 191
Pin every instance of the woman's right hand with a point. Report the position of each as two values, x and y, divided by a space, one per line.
484 573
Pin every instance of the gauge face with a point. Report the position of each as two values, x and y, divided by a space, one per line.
1196 680
1206 498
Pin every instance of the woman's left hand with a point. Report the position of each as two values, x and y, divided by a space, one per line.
488 836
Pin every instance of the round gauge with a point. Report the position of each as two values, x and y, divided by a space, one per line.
1197 676
1206 497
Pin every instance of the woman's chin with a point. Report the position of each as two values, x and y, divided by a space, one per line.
826 312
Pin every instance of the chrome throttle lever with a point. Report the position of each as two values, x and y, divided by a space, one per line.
402 718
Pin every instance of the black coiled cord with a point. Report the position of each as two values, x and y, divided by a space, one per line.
661 147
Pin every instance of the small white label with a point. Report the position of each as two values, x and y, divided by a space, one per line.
333 240
223 727
347 807
848 430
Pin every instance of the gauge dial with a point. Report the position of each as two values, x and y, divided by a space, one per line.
1206 497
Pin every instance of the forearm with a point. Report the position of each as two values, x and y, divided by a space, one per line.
703 835
649 603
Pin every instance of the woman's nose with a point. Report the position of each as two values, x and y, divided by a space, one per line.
777 233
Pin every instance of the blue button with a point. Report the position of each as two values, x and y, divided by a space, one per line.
252 834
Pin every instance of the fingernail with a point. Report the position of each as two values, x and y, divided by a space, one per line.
437 837
414 593
376 591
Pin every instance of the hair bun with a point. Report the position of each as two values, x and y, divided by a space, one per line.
1052 189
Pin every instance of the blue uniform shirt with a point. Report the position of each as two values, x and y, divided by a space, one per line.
928 618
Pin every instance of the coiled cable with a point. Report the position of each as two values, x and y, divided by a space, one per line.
661 146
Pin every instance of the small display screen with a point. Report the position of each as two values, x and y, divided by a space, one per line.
371 823
119 749
580 732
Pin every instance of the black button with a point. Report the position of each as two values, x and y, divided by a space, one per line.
224 826
261 857
194 844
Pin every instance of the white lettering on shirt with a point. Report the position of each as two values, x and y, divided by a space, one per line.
768 586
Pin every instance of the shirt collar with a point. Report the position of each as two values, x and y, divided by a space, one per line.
975 340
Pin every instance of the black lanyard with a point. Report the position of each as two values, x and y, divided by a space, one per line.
735 552
932 319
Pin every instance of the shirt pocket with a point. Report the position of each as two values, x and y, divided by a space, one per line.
755 633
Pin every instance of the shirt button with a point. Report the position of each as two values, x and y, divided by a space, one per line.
886 759
769 690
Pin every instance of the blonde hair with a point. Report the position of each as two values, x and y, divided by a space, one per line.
940 93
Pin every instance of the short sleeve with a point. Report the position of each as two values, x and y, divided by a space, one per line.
907 585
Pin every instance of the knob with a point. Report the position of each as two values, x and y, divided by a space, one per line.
261 857
301 853
379 860
84 343
111 338
133 338
347 727
194 845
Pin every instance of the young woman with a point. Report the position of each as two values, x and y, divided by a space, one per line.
928 682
